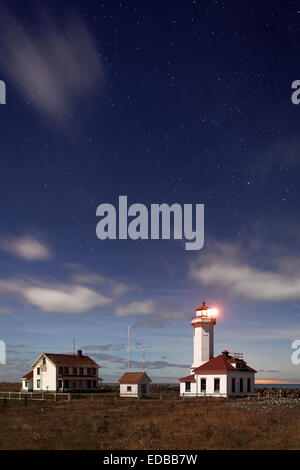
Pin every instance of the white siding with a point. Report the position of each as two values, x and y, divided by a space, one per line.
47 376
136 389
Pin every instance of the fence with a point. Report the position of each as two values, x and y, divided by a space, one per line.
65 397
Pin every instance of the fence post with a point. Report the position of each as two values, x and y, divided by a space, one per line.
69 397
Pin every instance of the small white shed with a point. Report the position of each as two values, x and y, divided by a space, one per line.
135 384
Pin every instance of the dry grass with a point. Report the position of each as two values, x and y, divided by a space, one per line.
166 424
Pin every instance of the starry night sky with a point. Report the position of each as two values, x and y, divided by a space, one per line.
162 101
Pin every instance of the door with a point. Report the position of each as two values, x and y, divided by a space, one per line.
144 390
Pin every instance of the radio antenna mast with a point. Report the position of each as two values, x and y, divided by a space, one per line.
144 360
128 349
74 346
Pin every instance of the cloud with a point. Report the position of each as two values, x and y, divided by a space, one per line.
52 62
104 347
143 307
156 314
5 311
25 247
69 299
227 267
56 298
82 276
157 365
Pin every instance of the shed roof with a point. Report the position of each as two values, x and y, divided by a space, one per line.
133 377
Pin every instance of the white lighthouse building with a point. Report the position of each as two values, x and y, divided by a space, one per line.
224 375
203 324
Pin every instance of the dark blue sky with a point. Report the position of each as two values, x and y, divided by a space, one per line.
182 101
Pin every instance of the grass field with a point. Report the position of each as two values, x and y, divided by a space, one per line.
169 423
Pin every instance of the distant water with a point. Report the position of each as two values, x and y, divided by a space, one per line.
277 386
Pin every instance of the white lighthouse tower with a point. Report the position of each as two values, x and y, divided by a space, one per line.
203 324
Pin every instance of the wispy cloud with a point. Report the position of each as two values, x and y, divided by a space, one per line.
56 297
155 315
227 266
82 276
25 247
143 307
5 311
53 62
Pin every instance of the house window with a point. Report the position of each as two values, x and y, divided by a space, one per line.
25 384
94 371
187 386
74 370
38 371
88 371
89 384
66 371
216 385
81 371
61 370
241 385
233 384
95 383
66 384
38 383
60 384
44 361
129 388
203 385
248 385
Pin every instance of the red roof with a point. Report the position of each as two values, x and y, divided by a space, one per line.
203 307
133 377
28 376
188 378
71 360
223 362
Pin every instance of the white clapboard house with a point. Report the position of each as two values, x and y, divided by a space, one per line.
222 376
63 373
135 384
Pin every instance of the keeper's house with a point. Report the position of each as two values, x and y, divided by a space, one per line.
135 384
63 373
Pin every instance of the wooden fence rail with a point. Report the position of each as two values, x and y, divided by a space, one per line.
64 397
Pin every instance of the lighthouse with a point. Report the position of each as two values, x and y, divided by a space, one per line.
224 375
203 324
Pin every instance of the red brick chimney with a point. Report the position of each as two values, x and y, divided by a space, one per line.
79 353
